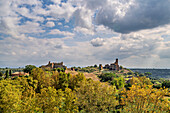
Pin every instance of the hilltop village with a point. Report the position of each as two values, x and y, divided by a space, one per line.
53 65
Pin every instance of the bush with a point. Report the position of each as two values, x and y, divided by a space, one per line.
166 84
130 73
118 82
1 74
107 77
28 68
158 86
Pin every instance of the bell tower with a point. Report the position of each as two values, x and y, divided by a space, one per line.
116 61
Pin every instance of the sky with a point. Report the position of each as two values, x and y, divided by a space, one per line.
85 32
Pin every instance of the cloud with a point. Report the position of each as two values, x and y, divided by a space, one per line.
97 42
83 18
56 1
134 15
58 46
59 23
83 30
34 51
57 31
50 24
61 11
30 27
132 30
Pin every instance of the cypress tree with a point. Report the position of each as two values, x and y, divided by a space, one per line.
7 74
10 72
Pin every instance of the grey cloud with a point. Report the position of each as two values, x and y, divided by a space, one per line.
83 18
58 46
143 14
164 53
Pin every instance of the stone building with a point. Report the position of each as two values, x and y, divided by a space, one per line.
112 66
54 65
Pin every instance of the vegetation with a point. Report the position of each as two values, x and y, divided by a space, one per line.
50 91
1 74
166 84
28 68
107 77
3 70
142 99
88 69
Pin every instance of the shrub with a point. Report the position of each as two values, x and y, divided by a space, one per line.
166 84
107 77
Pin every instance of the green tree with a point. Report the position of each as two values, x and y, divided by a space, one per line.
43 80
7 74
147 73
59 69
28 68
49 100
118 82
16 95
95 97
95 65
1 74
145 99
10 96
76 80
10 72
166 84
121 67
107 77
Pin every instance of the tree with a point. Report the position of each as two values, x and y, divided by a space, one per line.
144 99
43 80
10 96
7 74
95 65
166 84
49 100
59 69
28 68
147 73
107 77
1 74
10 72
121 67
118 82
95 97
16 95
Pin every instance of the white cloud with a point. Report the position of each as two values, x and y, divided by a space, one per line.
83 30
97 42
59 23
66 26
50 24
57 31
65 11
30 27
56 1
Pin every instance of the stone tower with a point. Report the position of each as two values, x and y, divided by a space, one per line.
116 61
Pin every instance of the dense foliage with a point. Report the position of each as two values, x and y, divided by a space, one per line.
28 68
58 92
